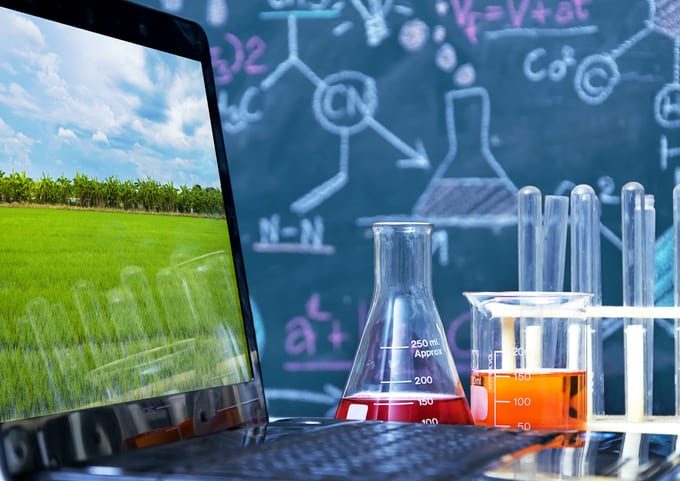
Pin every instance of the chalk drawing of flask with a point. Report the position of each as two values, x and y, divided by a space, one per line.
469 188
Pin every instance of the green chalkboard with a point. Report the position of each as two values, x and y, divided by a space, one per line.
341 112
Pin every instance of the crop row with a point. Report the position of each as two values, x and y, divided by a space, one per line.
141 194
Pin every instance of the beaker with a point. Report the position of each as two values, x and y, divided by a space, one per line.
529 358
403 369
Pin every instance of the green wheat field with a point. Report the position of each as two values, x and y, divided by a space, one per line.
99 307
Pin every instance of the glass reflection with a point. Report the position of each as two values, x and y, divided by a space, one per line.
176 330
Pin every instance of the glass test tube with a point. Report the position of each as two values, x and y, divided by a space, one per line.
636 357
530 268
676 291
648 287
586 277
555 222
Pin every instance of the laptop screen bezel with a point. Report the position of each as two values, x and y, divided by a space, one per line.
57 440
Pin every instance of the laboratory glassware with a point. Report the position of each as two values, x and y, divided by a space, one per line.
529 359
638 333
586 276
403 369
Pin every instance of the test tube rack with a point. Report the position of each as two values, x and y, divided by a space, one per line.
637 360
637 357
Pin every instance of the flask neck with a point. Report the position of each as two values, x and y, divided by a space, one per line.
403 257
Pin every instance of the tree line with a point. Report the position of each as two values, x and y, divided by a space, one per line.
142 194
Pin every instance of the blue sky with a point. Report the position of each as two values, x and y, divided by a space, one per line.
74 101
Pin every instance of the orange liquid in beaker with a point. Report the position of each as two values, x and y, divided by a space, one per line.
529 399
407 407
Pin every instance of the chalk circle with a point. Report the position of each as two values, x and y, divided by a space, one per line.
667 106
446 58
345 102
465 75
596 77
414 35
438 34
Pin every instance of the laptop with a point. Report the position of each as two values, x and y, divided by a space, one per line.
127 347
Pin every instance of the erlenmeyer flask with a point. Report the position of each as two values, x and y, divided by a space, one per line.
403 369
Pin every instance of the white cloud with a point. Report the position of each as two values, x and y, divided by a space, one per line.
18 99
19 32
67 134
102 90
181 163
7 67
100 136
187 108
15 148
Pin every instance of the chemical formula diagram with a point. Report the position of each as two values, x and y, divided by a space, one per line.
344 104
346 101
597 75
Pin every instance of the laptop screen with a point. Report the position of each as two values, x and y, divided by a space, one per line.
117 281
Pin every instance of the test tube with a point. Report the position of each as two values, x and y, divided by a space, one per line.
530 238
583 212
530 258
586 277
648 286
676 292
555 222
633 239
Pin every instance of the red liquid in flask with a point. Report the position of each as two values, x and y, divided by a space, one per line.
406 407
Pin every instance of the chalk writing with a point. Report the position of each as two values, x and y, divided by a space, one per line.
373 13
301 4
301 338
236 118
245 59
344 103
667 152
598 75
216 12
537 67
306 238
667 106
608 192
519 17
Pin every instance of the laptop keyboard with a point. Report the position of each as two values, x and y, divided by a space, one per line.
366 450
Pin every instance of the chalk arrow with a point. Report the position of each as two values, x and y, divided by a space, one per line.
418 161
417 157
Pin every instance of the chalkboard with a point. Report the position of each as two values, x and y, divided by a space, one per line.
340 112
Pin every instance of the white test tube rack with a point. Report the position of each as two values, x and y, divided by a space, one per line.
636 361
